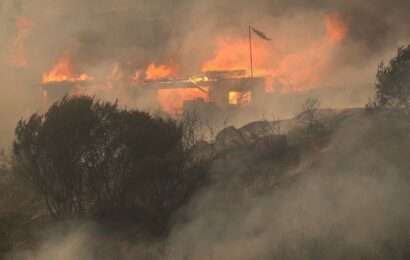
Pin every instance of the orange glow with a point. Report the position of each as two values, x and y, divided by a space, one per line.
172 100
239 98
336 28
285 69
288 63
155 72
233 54
64 70
306 69
18 56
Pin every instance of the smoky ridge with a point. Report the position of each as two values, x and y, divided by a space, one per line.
293 157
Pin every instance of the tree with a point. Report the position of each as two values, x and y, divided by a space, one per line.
92 159
393 82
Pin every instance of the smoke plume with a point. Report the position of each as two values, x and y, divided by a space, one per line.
124 37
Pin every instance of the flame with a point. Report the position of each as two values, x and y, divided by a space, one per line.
198 79
18 56
285 70
64 70
155 72
233 54
306 69
239 98
172 100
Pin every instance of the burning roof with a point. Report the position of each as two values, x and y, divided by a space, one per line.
280 71
64 70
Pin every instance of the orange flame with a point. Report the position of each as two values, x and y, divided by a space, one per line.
172 100
18 55
155 72
64 70
285 70
233 54
239 98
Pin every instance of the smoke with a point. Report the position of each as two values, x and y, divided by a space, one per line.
344 202
347 200
333 205
329 217
133 34
65 246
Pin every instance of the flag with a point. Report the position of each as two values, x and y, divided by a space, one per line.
261 34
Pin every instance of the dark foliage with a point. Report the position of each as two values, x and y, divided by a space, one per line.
92 159
393 82
313 127
18 208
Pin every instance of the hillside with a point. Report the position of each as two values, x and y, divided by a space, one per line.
334 196
336 193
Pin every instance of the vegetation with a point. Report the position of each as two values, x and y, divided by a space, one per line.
91 159
393 82
312 128
19 207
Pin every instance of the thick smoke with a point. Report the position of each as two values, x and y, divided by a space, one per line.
100 34
332 208
347 201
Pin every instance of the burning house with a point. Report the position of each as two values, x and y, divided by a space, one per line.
237 76
62 79
222 89
225 89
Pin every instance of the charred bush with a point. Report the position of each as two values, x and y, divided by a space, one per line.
312 130
91 159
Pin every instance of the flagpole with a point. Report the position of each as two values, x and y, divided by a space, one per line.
250 50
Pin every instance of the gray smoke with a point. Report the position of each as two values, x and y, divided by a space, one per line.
347 201
339 209
135 33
